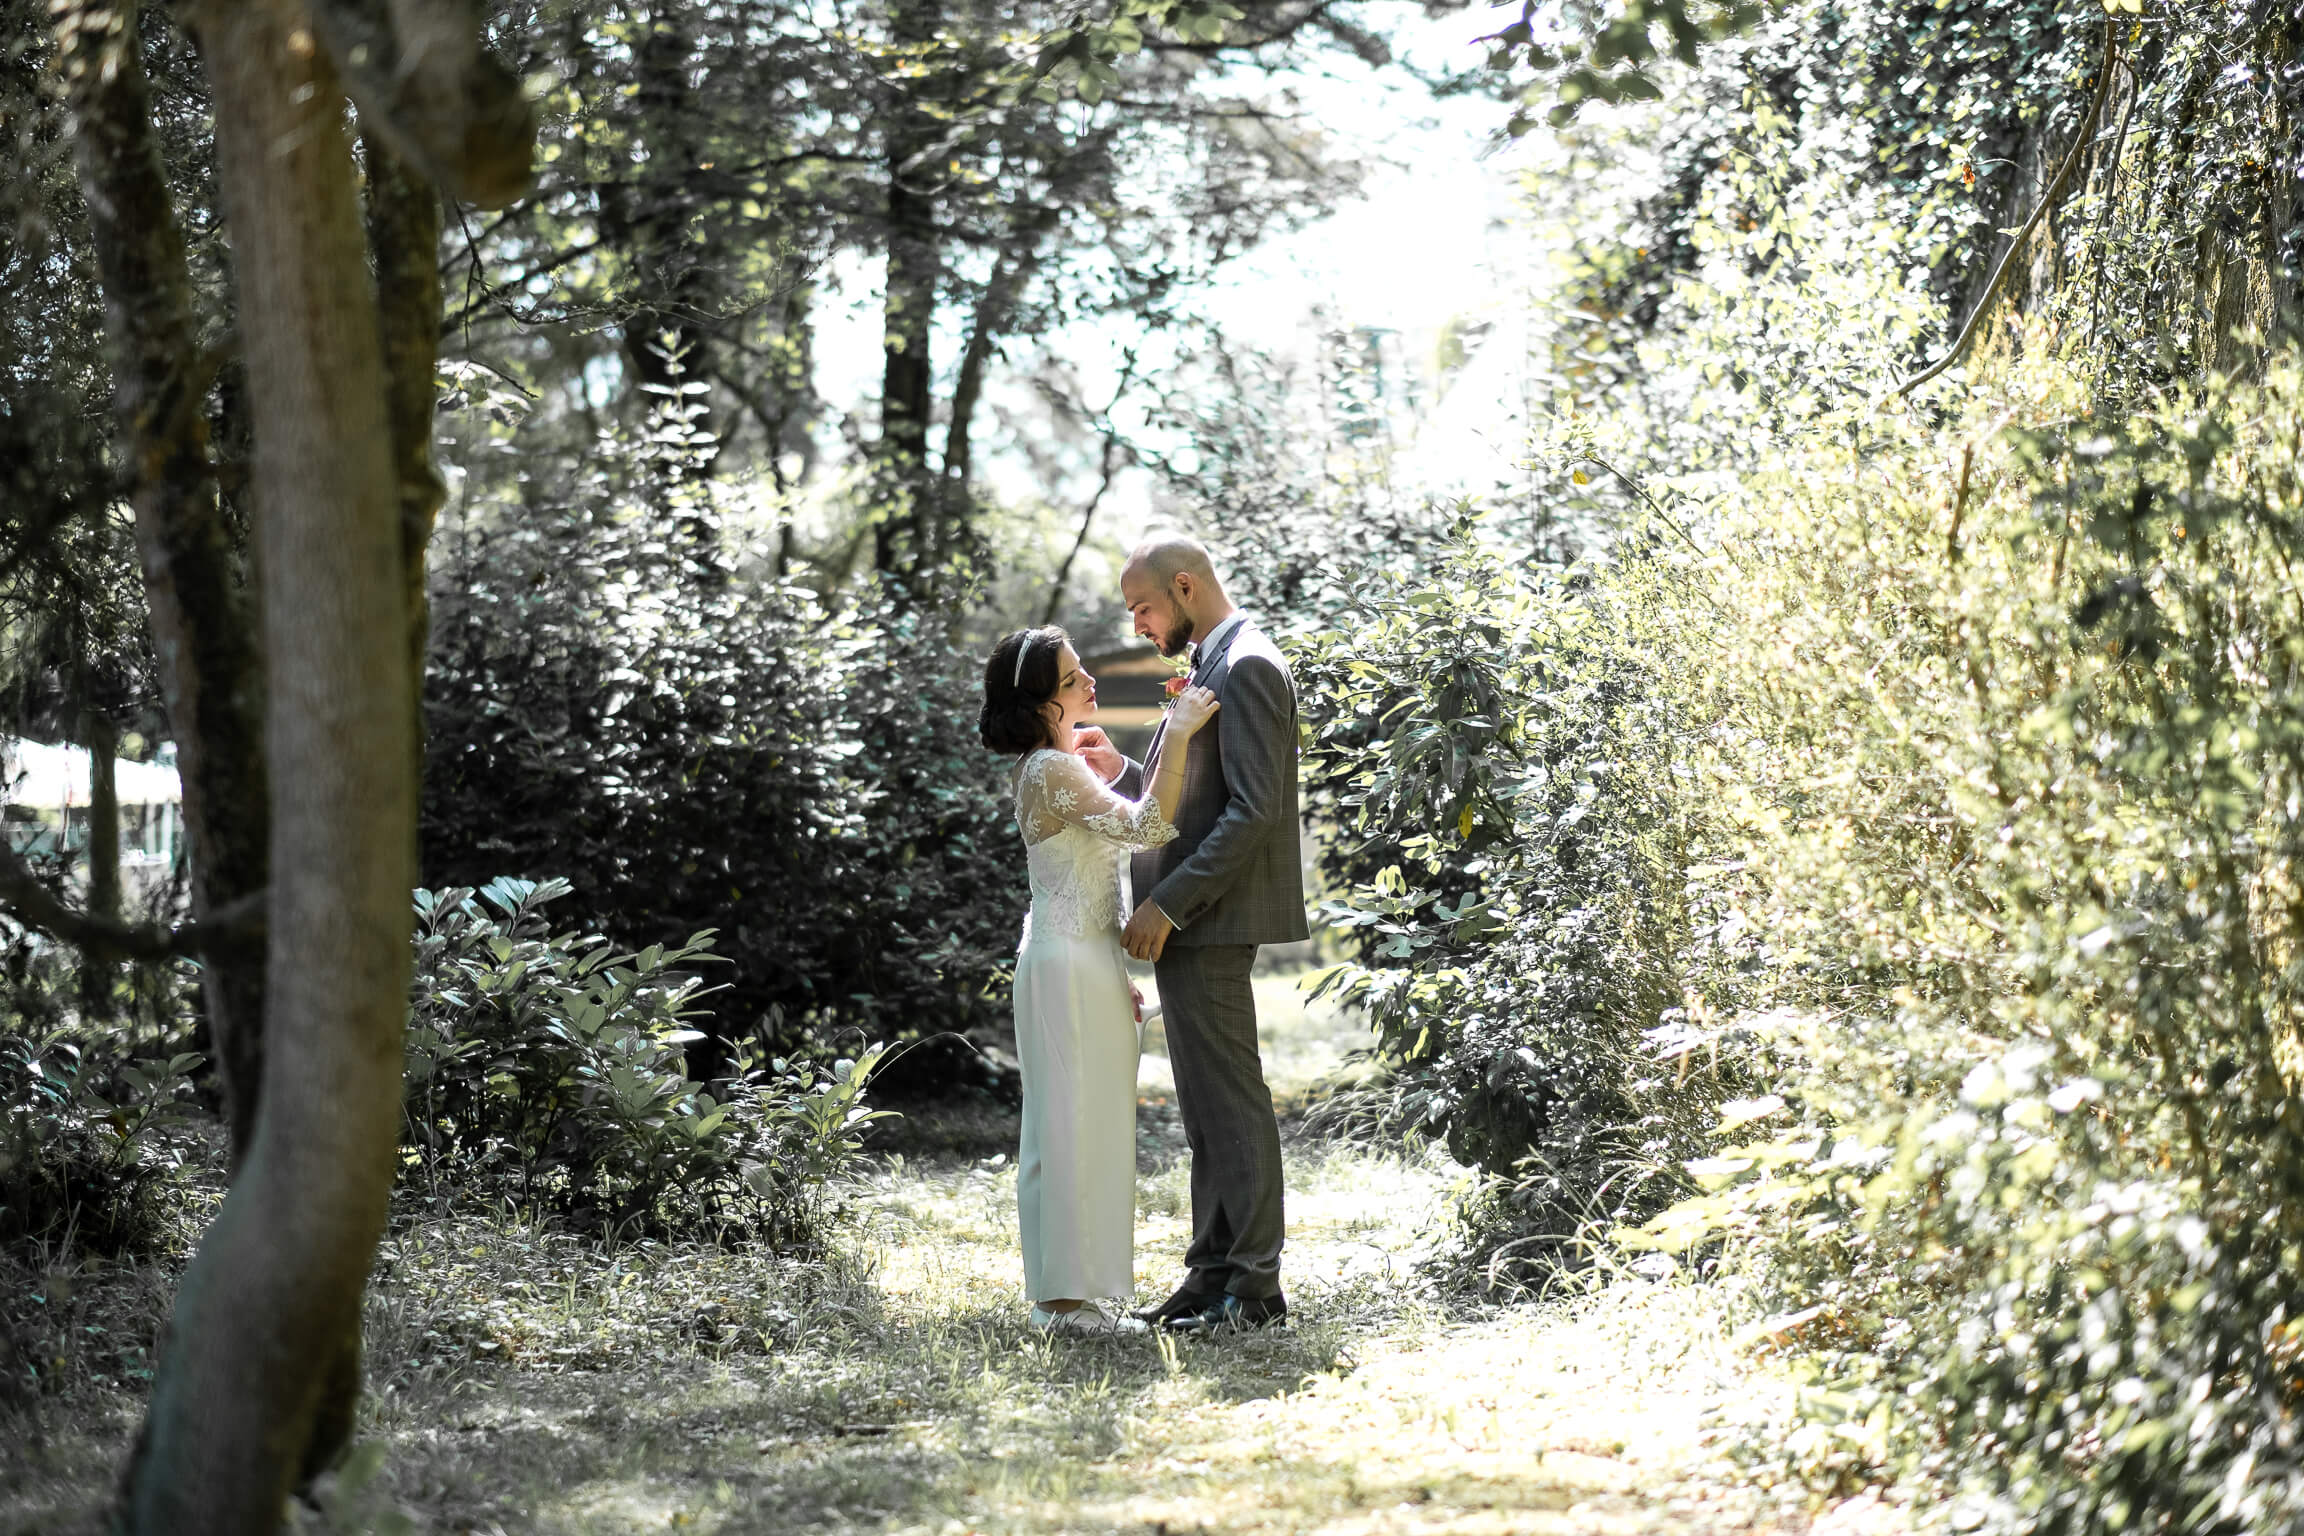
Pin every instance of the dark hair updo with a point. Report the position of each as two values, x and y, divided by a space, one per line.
1012 721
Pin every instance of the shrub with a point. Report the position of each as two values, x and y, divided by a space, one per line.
549 1067
1499 768
1918 890
618 694
2018 812
90 1134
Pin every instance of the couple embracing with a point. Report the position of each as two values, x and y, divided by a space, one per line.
1189 860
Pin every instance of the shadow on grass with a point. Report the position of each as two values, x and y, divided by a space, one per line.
859 1421
523 1379
978 1126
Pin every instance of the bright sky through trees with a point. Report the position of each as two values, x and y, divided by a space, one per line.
1431 239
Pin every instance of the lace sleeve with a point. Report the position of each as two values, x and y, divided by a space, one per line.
1057 790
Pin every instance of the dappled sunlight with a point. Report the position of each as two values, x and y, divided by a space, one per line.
905 1394
607 612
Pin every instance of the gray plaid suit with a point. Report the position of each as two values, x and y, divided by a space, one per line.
1232 879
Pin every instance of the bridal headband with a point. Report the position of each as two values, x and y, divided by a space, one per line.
1023 650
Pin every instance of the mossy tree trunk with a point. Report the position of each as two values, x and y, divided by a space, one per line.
201 617
260 1359
102 739
404 237
300 775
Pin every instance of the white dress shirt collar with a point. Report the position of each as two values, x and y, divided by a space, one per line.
1207 645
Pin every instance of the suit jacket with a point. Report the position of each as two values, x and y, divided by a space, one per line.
1235 873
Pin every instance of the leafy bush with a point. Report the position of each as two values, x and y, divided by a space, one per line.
549 1067
1932 908
2020 806
1971 836
89 1133
1994 730
620 695
1508 834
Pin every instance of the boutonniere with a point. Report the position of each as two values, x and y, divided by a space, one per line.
1176 685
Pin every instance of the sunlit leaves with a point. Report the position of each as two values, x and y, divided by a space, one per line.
2023 825
1582 51
1495 767
1084 57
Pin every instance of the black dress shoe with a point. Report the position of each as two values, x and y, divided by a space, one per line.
1187 1302
1232 1314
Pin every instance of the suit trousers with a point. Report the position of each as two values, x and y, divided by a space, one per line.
1238 1223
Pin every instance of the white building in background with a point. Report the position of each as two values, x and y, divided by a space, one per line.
44 799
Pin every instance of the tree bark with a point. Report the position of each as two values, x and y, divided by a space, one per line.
2228 278
2274 232
404 237
904 536
669 337
211 671
254 1369
102 739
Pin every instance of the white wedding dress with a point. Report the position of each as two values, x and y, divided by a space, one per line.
1076 1031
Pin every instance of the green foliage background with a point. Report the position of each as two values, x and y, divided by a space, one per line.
1867 875
622 696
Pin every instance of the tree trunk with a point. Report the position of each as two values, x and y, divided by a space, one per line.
211 670
2276 233
255 1365
2235 293
404 237
102 739
904 538
668 336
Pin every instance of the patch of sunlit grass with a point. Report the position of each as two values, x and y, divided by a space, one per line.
523 1380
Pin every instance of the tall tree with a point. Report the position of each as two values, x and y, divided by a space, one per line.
905 513
905 138
307 715
200 614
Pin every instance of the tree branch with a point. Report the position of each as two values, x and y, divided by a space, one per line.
488 299
2080 144
1281 33
418 73
31 903
1106 467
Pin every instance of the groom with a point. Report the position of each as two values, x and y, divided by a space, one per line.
1232 879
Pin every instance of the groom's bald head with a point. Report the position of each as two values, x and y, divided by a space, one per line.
1166 557
1172 591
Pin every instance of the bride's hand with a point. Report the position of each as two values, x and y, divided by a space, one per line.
1195 707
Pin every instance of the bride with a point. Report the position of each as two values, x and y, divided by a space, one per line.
1076 1011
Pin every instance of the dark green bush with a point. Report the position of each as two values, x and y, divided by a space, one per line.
618 697
91 1135
549 1067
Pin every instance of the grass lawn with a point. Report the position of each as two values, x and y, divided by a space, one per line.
526 1381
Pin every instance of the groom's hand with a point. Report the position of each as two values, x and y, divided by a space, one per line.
1096 747
1147 932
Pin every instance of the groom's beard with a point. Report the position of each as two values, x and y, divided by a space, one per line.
1176 640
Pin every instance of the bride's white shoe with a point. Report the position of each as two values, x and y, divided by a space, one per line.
1087 1321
